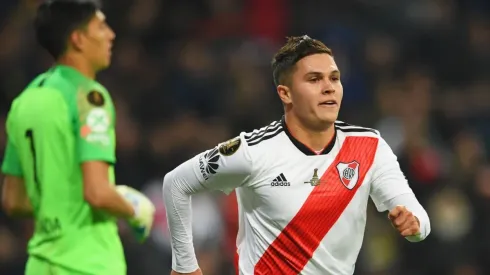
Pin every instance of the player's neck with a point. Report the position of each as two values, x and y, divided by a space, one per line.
314 139
79 64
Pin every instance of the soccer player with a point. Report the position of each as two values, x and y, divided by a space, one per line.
61 150
302 182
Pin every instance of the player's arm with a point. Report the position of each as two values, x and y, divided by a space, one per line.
96 152
100 193
390 192
15 200
223 168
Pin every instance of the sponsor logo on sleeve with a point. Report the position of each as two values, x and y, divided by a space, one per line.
96 127
208 163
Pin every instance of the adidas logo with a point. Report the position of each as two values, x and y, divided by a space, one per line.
280 181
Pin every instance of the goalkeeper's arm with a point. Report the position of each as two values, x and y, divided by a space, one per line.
120 201
101 194
15 201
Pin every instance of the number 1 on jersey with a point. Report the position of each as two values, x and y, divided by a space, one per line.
30 136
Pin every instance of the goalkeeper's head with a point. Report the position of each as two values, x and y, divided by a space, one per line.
308 82
75 30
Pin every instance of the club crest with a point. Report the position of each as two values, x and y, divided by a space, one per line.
348 173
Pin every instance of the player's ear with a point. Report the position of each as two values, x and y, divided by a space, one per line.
76 40
284 94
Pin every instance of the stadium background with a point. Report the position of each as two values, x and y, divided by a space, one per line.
188 74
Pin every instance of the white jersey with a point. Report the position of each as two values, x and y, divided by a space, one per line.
300 212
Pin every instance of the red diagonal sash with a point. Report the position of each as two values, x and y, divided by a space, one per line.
295 245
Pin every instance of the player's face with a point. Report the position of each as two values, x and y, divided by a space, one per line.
316 91
98 42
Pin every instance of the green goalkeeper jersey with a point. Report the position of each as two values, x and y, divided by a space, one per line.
59 121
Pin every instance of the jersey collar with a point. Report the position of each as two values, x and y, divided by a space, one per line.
72 73
305 149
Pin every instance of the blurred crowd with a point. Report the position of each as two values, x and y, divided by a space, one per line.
191 73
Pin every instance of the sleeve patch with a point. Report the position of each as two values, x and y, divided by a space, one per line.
98 120
230 147
96 98
96 127
208 163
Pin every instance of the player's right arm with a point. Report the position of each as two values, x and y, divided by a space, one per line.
96 153
223 168
15 201
391 192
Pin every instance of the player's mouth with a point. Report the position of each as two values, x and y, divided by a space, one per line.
328 103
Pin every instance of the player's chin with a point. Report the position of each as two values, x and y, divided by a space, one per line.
328 117
105 64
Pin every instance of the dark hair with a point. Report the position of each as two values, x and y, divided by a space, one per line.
57 19
296 48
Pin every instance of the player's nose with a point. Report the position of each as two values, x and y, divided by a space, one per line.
112 34
328 88
328 91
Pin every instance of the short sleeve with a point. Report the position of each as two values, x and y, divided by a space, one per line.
225 167
11 163
95 127
388 180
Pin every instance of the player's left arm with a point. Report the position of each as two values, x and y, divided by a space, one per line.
15 200
390 192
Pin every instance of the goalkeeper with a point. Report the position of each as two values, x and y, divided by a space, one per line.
60 151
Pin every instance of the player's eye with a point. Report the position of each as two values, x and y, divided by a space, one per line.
314 79
335 78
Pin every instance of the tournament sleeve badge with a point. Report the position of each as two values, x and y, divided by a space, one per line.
229 147
95 98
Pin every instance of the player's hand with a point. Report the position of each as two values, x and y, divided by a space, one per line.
197 272
144 211
404 221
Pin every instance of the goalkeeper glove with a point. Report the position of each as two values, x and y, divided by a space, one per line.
144 211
